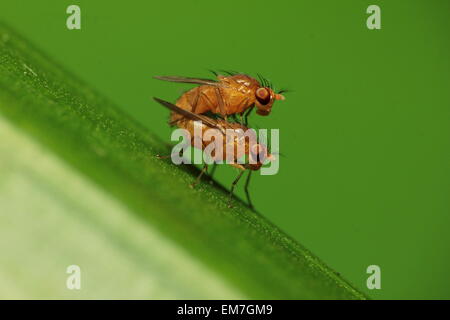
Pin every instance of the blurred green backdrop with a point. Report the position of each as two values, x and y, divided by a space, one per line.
365 133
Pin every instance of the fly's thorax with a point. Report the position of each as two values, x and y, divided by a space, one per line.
238 92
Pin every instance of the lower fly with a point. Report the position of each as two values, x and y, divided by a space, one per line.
255 153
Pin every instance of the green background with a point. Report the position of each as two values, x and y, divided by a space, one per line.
365 133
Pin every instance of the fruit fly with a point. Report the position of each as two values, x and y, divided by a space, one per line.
227 95
256 153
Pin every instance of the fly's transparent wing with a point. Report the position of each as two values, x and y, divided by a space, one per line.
209 82
189 115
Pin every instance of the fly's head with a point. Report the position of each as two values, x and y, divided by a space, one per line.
258 156
265 97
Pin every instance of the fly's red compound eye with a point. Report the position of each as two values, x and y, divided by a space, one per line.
263 96
259 153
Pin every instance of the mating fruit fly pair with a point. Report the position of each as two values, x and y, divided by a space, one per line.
231 95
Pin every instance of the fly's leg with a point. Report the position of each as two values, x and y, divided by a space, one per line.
242 105
170 155
233 185
219 99
221 103
211 105
246 114
247 193
205 168
195 103
213 170
241 119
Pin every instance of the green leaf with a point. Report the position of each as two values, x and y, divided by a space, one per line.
80 184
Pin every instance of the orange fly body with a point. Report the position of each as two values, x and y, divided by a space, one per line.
227 95
257 152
